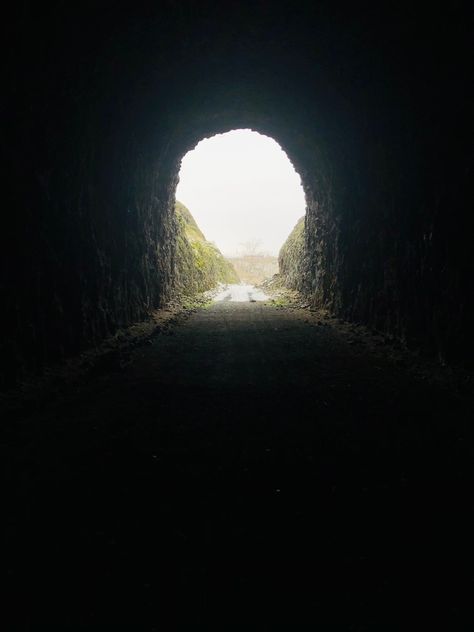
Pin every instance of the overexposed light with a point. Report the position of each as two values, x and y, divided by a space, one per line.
242 190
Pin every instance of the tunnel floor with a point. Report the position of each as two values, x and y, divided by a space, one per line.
249 467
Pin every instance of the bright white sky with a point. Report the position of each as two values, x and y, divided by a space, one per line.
241 187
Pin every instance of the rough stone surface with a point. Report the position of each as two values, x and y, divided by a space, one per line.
292 259
369 102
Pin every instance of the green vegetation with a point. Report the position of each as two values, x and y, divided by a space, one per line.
292 257
279 301
200 265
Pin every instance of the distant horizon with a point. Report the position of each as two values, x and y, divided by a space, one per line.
259 254
243 192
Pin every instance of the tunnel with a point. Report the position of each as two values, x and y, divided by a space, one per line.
370 101
94 136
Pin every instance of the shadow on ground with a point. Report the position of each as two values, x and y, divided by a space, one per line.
247 467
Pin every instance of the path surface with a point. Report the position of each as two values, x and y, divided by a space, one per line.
245 461
241 293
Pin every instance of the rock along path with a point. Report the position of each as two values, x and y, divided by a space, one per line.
253 466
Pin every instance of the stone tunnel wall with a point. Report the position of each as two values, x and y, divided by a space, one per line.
369 102
88 227
91 248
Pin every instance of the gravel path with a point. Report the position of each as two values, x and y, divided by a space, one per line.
248 469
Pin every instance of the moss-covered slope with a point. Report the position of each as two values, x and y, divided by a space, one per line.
292 258
199 265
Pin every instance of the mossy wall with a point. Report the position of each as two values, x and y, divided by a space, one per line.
199 265
292 259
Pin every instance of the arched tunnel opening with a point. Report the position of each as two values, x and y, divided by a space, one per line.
239 199
268 465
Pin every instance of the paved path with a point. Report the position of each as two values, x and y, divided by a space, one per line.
245 461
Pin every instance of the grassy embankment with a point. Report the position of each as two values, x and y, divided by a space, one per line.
291 258
200 265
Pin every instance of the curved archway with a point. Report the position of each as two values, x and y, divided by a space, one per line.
242 189
313 158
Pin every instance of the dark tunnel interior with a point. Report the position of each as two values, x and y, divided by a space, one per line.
370 105
371 102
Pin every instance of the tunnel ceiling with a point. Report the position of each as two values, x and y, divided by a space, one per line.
368 100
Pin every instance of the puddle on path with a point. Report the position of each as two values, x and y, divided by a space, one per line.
240 294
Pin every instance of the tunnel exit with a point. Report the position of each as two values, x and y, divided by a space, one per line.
245 195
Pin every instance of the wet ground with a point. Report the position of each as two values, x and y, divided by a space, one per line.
240 293
252 468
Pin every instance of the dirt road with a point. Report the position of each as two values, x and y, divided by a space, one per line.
248 469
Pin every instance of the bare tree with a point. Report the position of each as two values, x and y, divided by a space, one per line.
251 248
